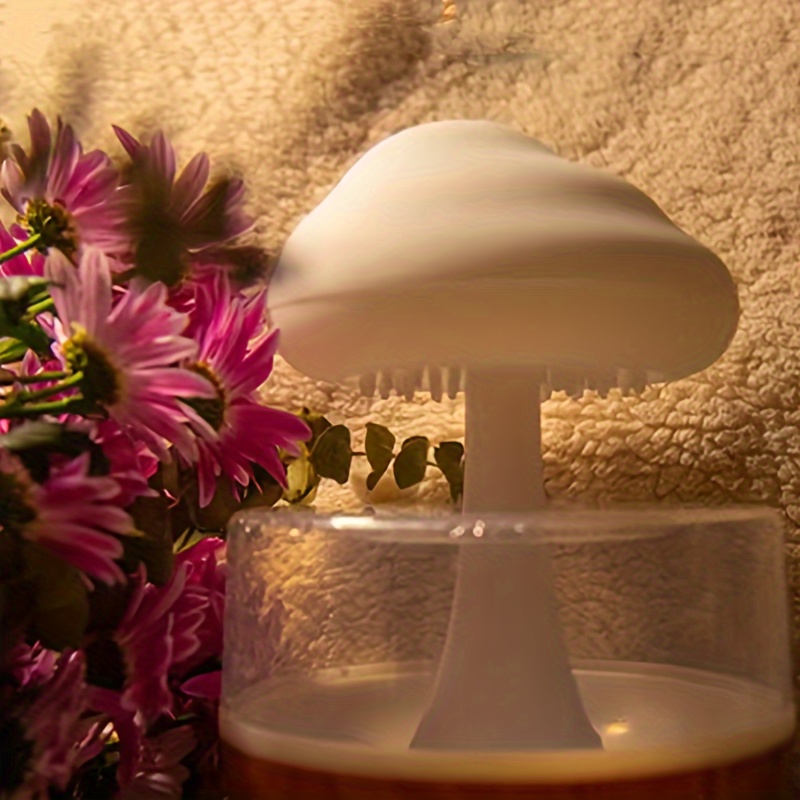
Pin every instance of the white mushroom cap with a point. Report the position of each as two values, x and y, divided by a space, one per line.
467 243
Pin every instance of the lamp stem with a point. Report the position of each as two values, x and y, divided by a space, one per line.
504 680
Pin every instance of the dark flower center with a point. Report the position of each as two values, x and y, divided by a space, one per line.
212 410
105 664
53 223
101 382
15 512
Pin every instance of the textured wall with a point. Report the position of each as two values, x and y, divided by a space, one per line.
697 102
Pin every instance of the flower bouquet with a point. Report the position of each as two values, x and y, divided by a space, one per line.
133 345
133 341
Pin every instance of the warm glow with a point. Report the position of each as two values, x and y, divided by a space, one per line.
616 728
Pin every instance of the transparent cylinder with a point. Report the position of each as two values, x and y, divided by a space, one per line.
676 623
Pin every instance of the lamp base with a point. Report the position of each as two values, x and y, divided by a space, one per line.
762 776
668 732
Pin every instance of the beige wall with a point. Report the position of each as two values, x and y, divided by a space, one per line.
697 102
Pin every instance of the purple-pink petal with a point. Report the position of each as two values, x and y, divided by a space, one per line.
95 277
208 685
39 133
175 383
97 564
190 184
258 366
12 180
235 222
128 141
66 153
65 289
91 192
75 516
163 158
35 165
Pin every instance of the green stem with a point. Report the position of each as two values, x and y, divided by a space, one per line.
42 377
40 408
40 308
20 248
12 351
39 394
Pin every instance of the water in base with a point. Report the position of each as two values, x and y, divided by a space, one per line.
668 732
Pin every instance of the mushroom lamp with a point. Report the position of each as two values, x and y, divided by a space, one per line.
466 255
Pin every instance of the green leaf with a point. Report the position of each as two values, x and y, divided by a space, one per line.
380 452
15 296
411 462
187 539
413 439
215 516
317 423
449 457
155 554
151 543
332 454
308 499
301 479
264 491
28 333
12 350
61 610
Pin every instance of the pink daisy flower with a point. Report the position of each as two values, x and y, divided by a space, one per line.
130 463
206 572
149 766
59 192
61 740
160 773
128 727
168 219
235 430
72 514
128 353
159 629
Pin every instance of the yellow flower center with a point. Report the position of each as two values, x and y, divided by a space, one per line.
212 410
53 223
101 383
